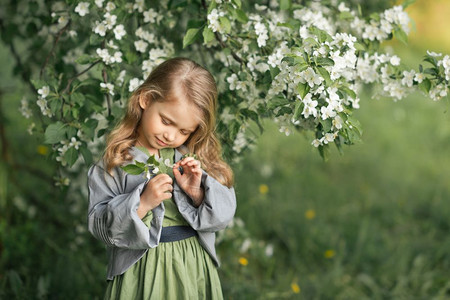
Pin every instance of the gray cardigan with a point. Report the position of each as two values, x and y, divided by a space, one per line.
112 216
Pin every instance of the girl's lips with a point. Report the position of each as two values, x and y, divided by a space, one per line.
161 143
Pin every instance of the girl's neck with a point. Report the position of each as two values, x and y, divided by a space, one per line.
151 151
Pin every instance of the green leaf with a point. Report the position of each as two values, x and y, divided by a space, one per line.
77 98
38 83
140 164
177 3
326 125
237 2
144 150
241 16
407 3
87 155
359 46
298 109
95 39
285 4
325 75
191 35
85 59
431 71
348 91
324 61
276 102
152 160
208 35
345 15
425 85
324 151
225 23
55 133
132 169
303 89
401 36
71 156
88 128
250 114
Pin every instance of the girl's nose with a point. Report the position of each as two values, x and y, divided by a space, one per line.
169 136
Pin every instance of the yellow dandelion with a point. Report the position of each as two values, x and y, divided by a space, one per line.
243 261
329 253
263 189
295 288
310 214
42 150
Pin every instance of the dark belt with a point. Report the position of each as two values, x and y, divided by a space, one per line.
176 233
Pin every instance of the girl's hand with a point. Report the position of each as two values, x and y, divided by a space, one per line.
191 179
158 189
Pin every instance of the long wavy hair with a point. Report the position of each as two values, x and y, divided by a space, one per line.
201 91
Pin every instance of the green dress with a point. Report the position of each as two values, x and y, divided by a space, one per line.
173 270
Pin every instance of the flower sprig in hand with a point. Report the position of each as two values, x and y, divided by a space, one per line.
152 167
187 172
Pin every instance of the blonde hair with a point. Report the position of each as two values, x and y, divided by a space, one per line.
200 89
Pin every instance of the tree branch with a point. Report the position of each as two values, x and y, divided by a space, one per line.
222 44
52 51
69 82
108 98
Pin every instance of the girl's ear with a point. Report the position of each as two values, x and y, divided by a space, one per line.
143 102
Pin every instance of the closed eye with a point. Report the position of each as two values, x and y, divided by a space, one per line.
164 121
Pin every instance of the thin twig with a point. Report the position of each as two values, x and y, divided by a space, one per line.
69 82
222 44
52 51
108 99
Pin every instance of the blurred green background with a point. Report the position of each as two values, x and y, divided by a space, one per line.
370 224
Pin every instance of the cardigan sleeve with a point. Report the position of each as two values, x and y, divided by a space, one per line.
217 209
112 215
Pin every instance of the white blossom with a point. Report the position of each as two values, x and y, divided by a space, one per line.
110 20
140 46
213 20
109 87
327 112
99 3
150 16
309 106
119 32
110 6
408 78
433 54
25 109
121 77
44 91
82 8
30 128
395 60
134 84
316 143
100 28
74 143
419 77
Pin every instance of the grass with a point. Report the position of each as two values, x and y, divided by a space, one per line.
382 216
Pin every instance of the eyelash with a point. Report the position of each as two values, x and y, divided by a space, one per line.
165 122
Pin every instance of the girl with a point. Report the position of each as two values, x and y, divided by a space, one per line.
160 233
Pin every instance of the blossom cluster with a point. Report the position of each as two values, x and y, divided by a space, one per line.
299 65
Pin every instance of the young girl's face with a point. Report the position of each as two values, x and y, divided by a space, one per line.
167 124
